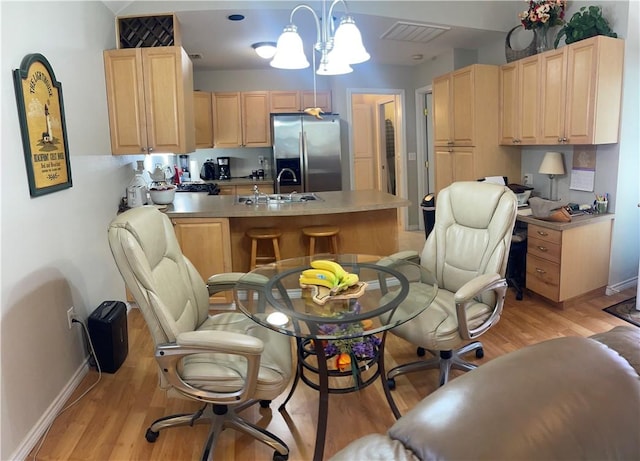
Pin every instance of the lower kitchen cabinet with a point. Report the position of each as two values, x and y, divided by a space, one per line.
206 242
243 189
568 260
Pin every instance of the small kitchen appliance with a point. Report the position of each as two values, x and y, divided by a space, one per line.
224 168
209 170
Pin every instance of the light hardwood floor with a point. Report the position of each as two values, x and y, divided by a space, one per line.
110 422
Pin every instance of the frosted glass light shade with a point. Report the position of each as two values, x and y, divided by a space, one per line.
332 64
552 164
348 42
289 52
266 50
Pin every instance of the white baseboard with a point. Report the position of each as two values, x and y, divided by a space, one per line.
618 287
36 432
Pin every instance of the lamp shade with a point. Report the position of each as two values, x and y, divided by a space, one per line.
552 164
289 52
333 64
348 42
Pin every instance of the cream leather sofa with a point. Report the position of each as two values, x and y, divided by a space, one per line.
564 399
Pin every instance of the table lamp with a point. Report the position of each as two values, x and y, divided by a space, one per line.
553 165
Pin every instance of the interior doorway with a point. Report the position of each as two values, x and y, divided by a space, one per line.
377 151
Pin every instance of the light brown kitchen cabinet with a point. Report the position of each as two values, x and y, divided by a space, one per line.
581 92
150 100
520 101
256 122
569 261
203 119
206 242
241 119
297 101
466 123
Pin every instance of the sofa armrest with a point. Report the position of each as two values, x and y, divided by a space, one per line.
375 447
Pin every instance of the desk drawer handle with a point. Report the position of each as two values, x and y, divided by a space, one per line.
540 271
541 248
544 234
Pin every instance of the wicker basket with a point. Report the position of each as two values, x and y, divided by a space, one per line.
514 55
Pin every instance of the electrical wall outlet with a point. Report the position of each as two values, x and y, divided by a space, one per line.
71 313
261 159
528 179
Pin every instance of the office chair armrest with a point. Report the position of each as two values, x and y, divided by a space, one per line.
408 255
228 280
468 294
170 355
221 341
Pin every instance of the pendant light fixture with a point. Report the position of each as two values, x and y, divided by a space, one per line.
339 48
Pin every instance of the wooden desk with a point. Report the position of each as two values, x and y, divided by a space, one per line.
566 261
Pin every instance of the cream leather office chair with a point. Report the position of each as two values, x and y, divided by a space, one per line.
467 254
226 361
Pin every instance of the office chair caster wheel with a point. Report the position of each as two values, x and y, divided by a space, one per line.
265 403
479 353
420 351
280 457
151 436
391 384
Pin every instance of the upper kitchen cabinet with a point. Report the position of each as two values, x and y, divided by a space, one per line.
466 125
520 101
150 100
241 119
203 119
581 92
297 101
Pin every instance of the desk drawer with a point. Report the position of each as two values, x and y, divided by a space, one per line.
543 277
543 233
543 249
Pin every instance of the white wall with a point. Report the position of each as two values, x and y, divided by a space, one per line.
54 247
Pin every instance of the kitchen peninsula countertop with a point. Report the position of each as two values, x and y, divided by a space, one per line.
201 205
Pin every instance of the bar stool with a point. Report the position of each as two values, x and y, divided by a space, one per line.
263 233
314 232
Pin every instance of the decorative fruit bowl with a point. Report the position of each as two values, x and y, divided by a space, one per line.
327 281
322 295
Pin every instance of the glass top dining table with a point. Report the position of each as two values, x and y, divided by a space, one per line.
388 293
272 295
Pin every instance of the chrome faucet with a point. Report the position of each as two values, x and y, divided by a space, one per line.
287 170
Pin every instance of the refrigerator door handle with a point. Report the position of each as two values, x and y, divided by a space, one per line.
305 159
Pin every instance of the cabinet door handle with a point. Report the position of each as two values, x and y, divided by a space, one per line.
144 149
540 271
450 142
150 149
543 233
560 140
541 248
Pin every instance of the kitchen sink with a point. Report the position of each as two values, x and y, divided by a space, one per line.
276 199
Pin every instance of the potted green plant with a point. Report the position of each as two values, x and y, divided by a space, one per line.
585 23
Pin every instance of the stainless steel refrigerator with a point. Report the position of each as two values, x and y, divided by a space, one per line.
310 148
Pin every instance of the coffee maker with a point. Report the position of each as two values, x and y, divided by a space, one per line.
224 169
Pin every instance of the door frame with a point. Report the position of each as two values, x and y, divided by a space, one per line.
424 151
401 141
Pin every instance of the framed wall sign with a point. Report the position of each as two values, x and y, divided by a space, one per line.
44 133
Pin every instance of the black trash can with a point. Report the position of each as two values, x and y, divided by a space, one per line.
108 332
428 206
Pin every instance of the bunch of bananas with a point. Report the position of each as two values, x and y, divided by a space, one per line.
328 274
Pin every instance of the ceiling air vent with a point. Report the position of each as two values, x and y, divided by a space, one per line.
195 56
413 32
